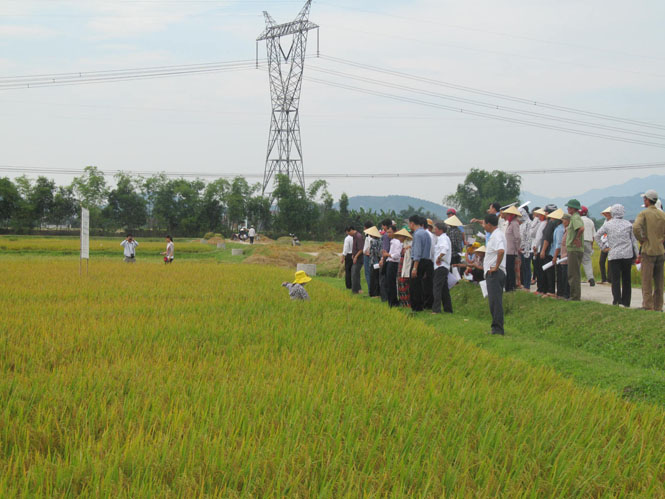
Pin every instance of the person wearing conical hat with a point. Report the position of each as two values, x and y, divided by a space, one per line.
603 244
575 247
456 237
404 268
513 243
297 287
547 251
373 283
540 222
589 236
525 248
366 258
474 262
392 259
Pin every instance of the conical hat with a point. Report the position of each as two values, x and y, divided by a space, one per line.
540 211
404 233
556 215
607 210
453 221
373 232
512 211
482 249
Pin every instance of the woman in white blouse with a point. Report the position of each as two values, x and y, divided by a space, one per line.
622 254
170 250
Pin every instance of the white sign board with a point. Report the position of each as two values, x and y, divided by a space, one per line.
85 234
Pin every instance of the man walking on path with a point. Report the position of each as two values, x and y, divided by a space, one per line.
589 235
649 229
575 247
494 268
422 267
357 252
347 257
251 234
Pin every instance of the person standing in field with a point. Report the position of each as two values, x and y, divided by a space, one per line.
251 234
422 267
494 267
589 236
404 269
169 254
649 229
513 243
297 287
366 256
347 257
546 251
129 245
357 252
442 263
385 246
525 248
605 271
392 258
623 253
455 235
575 247
560 253
374 238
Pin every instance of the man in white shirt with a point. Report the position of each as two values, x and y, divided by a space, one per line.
251 234
129 244
392 258
347 257
442 259
494 267
589 235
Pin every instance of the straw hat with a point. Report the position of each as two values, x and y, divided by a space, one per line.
404 233
540 211
607 210
512 211
373 232
430 222
556 215
453 221
302 277
482 249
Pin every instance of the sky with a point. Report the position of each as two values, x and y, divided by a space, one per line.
600 56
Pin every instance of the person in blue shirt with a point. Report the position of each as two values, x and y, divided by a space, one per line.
422 270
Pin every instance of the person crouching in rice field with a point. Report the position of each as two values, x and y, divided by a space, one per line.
170 250
404 269
297 287
129 245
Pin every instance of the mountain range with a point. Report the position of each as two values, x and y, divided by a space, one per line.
397 203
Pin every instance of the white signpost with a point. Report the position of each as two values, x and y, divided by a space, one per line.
85 240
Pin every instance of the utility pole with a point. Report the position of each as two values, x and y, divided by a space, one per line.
285 69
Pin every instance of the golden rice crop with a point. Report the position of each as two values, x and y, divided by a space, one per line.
103 245
204 379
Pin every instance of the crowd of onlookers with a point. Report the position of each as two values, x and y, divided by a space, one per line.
417 265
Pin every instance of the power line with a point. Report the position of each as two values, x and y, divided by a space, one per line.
380 175
497 95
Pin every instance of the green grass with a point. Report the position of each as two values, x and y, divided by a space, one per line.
618 349
202 379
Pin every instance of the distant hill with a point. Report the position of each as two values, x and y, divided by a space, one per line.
598 196
397 203
633 205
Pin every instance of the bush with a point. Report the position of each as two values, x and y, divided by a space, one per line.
209 235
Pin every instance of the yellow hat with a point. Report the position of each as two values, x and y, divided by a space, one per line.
429 222
404 233
607 210
512 211
373 232
453 221
475 245
556 215
302 277
540 211
482 249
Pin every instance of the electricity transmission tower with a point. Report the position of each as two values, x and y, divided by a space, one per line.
286 69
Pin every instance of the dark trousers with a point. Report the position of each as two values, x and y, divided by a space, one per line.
251 240
605 270
348 263
549 277
421 286
526 271
621 285
355 275
575 274
391 283
563 289
495 284
510 273
383 290
540 275
368 270
441 292
374 287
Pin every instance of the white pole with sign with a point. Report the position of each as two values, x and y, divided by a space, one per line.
85 240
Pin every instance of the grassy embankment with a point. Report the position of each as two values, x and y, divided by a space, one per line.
152 380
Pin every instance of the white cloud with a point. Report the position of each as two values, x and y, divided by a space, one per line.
29 32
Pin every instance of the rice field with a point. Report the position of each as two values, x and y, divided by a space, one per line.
204 379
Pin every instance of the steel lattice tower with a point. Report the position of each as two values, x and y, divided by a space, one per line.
286 70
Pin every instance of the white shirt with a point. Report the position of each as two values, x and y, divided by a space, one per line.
130 248
252 232
443 247
496 243
433 237
348 245
170 249
538 240
589 230
395 250
503 224
368 243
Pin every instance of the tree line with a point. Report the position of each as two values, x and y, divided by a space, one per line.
191 208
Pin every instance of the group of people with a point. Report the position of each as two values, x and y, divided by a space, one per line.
130 244
547 247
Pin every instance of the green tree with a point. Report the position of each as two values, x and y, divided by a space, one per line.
91 192
10 200
126 208
294 210
214 205
237 200
150 187
41 200
65 207
481 188
177 206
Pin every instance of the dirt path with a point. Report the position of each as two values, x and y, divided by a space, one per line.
602 293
